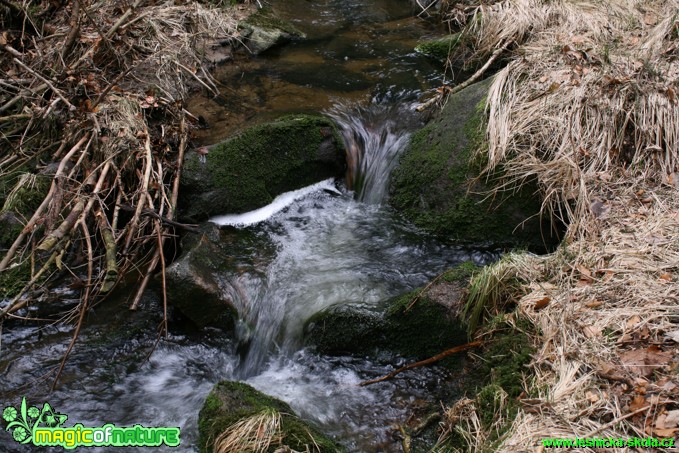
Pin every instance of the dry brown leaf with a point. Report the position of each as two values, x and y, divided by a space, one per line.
673 335
645 361
586 273
667 277
650 19
591 331
639 402
542 303
594 304
633 321
591 396
665 432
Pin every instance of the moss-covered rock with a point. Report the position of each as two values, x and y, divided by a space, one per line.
249 170
265 29
439 49
431 324
231 402
203 282
435 184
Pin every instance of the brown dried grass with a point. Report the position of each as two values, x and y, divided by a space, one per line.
588 108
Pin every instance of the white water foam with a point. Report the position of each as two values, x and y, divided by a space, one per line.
279 203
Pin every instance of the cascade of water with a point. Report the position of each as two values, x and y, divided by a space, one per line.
374 137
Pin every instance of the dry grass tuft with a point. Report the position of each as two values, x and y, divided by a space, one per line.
254 434
588 107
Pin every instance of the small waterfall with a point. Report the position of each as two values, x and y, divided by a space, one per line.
374 136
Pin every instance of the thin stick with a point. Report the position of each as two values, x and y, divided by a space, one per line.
83 308
424 290
470 80
144 191
47 82
436 358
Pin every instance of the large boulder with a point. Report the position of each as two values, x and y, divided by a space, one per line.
419 324
232 402
206 283
249 170
436 187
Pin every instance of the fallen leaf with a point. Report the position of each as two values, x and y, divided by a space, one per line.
3 38
591 331
673 335
542 303
665 432
645 361
586 273
591 396
577 39
666 277
633 321
650 19
637 403
672 420
594 304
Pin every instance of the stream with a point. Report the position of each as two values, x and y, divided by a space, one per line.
320 247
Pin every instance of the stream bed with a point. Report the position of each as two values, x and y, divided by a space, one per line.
318 249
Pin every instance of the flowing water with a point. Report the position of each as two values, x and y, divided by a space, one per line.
331 245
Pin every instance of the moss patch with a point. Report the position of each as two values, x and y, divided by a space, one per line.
251 169
230 402
428 328
439 49
435 184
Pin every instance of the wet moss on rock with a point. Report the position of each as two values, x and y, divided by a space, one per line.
249 170
439 49
229 402
426 329
436 187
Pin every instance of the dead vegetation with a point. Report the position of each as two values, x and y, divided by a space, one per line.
93 135
587 106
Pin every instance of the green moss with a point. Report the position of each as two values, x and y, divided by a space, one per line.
439 49
24 192
462 273
249 170
436 185
230 402
14 279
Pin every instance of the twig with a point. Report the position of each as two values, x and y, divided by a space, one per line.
144 190
111 256
47 82
123 18
151 213
470 80
436 358
83 307
424 290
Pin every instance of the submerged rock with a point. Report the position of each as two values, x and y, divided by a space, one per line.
204 284
418 328
249 170
264 30
436 187
232 402
439 49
